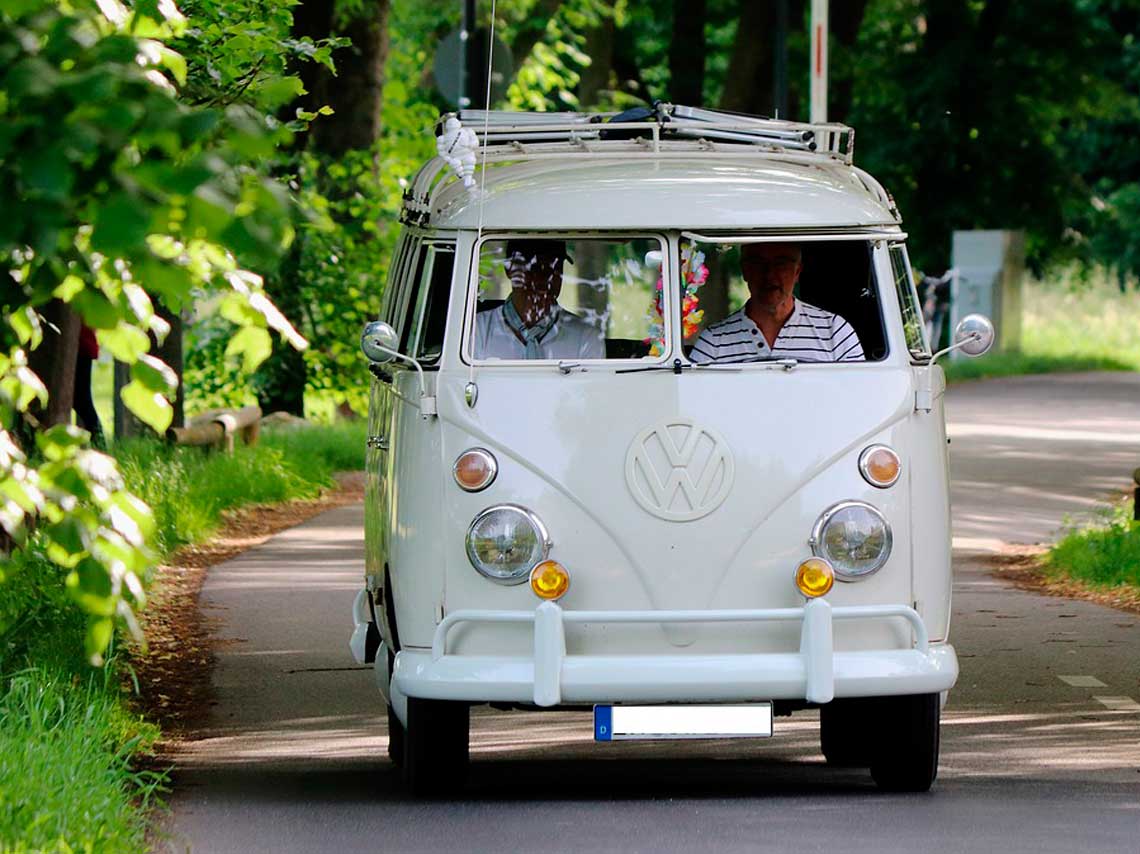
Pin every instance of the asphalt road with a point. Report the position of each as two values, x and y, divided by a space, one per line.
1041 738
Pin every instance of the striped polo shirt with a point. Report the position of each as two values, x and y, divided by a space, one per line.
809 335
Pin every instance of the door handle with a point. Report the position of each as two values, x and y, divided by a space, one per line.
378 442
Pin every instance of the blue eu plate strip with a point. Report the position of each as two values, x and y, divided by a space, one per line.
603 723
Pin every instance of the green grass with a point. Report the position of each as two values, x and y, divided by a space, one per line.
66 776
1104 554
68 743
69 746
1069 323
189 488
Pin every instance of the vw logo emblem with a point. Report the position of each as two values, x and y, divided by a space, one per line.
678 470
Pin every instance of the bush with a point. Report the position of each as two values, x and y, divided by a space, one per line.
1103 554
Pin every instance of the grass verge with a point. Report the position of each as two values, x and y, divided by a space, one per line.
69 744
1103 554
1074 321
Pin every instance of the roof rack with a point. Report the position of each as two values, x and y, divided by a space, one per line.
663 131
508 135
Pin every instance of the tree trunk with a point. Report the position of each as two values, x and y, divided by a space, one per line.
595 79
687 52
355 95
748 86
170 351
845 20
54 362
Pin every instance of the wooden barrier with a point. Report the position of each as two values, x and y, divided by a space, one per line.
218 427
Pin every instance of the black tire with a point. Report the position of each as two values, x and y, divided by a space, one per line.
847 730
906 753
436 746
396 739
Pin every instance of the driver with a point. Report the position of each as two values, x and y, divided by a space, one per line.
530 324
774 324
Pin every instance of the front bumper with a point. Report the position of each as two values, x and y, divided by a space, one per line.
550 677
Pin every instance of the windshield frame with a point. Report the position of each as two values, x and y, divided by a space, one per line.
666 245
873 238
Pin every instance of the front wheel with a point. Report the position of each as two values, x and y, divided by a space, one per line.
396 739
846 731
906 752
436 746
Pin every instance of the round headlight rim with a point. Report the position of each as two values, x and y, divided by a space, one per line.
492 465
865 455
817 539
543 535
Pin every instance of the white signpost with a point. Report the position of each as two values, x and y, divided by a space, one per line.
818 61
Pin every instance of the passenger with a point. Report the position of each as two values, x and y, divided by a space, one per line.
774 324
530 324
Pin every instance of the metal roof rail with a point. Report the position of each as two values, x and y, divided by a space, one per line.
506 132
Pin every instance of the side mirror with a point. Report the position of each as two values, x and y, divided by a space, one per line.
974 334
379 342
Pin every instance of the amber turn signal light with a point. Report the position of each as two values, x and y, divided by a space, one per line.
814 577
880 466
475 469
549 580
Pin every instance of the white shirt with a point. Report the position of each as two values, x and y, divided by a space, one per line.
569 338
810 334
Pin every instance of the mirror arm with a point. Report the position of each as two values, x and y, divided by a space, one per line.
427 403
924 392
973 336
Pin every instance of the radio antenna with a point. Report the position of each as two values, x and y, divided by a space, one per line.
472 392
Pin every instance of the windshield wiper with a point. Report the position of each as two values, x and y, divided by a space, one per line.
676 367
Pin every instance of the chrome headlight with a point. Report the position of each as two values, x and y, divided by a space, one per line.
505 541
855 537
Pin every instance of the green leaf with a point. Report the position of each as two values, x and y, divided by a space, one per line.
150 406
254 345
130 515
26 324
68 288
175 63
126 342
236 309
18 8
121 226
97 311
61 441
154 374
48 174
65 542
282 90
98 637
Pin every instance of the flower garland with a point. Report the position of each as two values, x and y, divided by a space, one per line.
694 273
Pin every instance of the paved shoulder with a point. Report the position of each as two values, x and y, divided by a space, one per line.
1027 452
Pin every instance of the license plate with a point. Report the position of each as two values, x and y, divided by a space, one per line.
620 723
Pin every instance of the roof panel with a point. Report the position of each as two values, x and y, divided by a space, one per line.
693 193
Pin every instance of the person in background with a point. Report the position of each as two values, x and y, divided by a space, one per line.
82 402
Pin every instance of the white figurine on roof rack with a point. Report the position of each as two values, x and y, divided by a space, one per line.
458 145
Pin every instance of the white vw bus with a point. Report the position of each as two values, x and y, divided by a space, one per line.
599 478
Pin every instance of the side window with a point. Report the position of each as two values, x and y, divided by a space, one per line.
913 327
391 301
423 337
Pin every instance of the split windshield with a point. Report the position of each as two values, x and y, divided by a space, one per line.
577 299
567 299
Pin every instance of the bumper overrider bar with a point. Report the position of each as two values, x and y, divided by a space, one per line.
550 677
